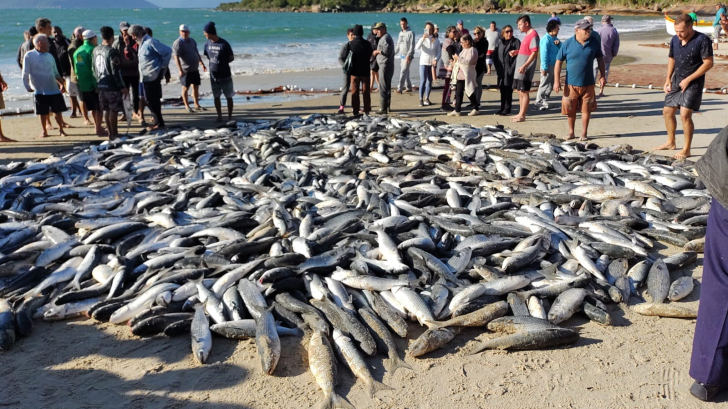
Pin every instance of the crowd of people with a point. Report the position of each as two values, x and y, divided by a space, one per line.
462 60
117 76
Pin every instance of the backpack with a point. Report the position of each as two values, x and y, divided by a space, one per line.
347 63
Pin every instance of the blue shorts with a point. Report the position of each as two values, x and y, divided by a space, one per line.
223 86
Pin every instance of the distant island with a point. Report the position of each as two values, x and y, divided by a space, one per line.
620 7
75 4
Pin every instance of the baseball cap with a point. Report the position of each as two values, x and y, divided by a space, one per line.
606 18
379 25
583 24
124 25
88 34
460 22
184 27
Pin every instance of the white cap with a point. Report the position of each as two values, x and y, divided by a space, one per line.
184 27
88 34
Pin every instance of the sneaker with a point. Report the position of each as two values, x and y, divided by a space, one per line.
340 111
453 113
446 108
474 112
408 90
426 102
398 91
421 103
190 110
381 112
543 108
704 392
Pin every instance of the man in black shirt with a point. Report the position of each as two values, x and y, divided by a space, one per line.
691 56
220 55
361 53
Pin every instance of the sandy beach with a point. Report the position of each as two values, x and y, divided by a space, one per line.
640 362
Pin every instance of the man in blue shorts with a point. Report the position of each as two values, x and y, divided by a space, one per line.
691 56
220 55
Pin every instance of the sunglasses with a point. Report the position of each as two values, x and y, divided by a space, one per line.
508 32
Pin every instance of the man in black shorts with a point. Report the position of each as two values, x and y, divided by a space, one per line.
691 56
41 77
188 61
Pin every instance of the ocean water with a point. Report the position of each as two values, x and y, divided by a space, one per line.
262 42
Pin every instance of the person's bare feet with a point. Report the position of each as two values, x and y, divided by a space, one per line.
43 135
62 133
667 146
51 127
683 154
65 125
73 116
87 122
102 132
518 118
4 138
583 138
570 137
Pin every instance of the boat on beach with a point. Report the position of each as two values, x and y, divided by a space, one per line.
703 26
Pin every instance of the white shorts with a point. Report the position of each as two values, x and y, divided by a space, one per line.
72 88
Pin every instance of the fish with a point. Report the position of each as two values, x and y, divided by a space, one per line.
680 288
356 363
201 335
368 226
322 363
665 310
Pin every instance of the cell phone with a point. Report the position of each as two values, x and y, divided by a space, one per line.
427 32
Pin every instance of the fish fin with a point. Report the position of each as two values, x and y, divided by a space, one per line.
433 325
374 386
198 280
339 402
394 363
549 272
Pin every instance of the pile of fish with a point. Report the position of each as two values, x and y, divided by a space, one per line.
347 232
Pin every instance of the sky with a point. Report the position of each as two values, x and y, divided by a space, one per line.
189 3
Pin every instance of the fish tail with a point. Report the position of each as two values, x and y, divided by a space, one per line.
434 324
394 363
374 386
333 402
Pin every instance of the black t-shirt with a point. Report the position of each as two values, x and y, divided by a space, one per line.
689 57
220 55
482 47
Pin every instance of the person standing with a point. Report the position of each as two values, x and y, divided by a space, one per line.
481 45
188 63
464 74
385 60
373 66
492 35
708 364
716 24
429 47
689 59
220 55
110 83
154 59
83 63
62 44
579 52
504 61
554 18
343 55
610 45
448 55
3 88
361 54
526 63
406 50
548 48
41 77
693 15
44 26
72 86
24 47
129 63
462 28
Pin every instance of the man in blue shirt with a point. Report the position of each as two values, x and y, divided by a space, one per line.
716 24
548 49
220 55
579 52
154 58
